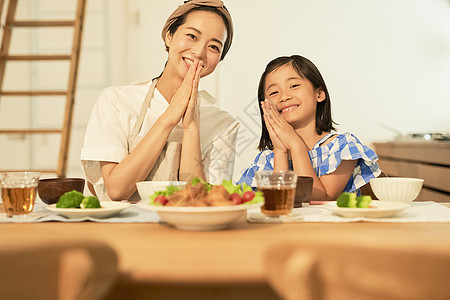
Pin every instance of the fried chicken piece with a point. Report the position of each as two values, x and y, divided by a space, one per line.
197 191
218 196
180 198
190 196
201 202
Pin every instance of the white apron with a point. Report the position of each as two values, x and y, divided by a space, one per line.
168 163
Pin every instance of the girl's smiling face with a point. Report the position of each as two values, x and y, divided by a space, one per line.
294 97
201 37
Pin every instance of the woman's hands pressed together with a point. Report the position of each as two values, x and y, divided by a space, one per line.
191 115
191 164
183 103
120 178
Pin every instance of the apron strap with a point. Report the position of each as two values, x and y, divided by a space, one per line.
140 118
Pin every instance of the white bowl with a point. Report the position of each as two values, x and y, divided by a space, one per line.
396 189
146 189
200 218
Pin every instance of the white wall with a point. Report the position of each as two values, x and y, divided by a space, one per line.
383 61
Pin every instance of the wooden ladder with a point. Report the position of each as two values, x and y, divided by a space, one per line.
74 57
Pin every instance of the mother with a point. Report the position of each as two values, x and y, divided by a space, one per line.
165 129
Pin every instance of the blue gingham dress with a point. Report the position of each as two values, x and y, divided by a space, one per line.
325 159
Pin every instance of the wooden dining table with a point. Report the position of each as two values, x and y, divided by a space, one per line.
157 261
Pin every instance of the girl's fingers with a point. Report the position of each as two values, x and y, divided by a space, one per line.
276 115
269 127
271 113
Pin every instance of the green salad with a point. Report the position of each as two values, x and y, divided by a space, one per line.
201 193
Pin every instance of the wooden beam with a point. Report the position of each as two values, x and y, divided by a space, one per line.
39 57
33 93
42 23
30 131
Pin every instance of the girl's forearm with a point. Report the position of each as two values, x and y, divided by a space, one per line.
120 179
191 164
280 161
302 166
327 187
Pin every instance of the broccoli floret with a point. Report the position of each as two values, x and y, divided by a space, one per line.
347 200
363 201
90 202
70 199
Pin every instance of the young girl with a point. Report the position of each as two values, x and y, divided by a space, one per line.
165 129
296 132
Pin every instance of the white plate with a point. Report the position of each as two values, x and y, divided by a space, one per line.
200 218
109 208
381 209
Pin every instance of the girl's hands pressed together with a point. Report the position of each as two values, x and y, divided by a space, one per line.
278 145
282 134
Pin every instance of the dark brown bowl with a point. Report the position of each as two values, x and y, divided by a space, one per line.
303 190
51 189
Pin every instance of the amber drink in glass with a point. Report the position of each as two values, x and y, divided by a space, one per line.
19 191
278 188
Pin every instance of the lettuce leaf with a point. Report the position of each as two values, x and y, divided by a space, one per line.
259 197
241 189
196 180
231 188
170 189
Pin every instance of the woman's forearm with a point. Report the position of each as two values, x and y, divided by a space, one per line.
191 164
120 179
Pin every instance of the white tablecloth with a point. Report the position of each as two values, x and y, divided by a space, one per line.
421 212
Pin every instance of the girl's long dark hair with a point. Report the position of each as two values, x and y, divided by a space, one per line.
307 70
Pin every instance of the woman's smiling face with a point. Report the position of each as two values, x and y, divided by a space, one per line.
201 37
294 97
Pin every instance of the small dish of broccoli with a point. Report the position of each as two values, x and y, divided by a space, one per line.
75 199
350 200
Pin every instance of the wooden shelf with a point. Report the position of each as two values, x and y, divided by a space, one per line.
427 160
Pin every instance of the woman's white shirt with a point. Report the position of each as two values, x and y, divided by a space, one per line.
114 116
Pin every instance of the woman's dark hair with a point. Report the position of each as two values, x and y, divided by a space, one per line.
182 19
307 70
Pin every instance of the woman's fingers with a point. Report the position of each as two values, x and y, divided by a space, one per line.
190 117
188 82
195 83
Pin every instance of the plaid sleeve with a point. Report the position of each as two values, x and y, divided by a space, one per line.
263 161
348 147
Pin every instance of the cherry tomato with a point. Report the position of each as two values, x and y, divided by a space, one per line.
248 196
236 198
161 199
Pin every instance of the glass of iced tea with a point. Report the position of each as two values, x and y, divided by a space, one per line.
278 188
19 190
